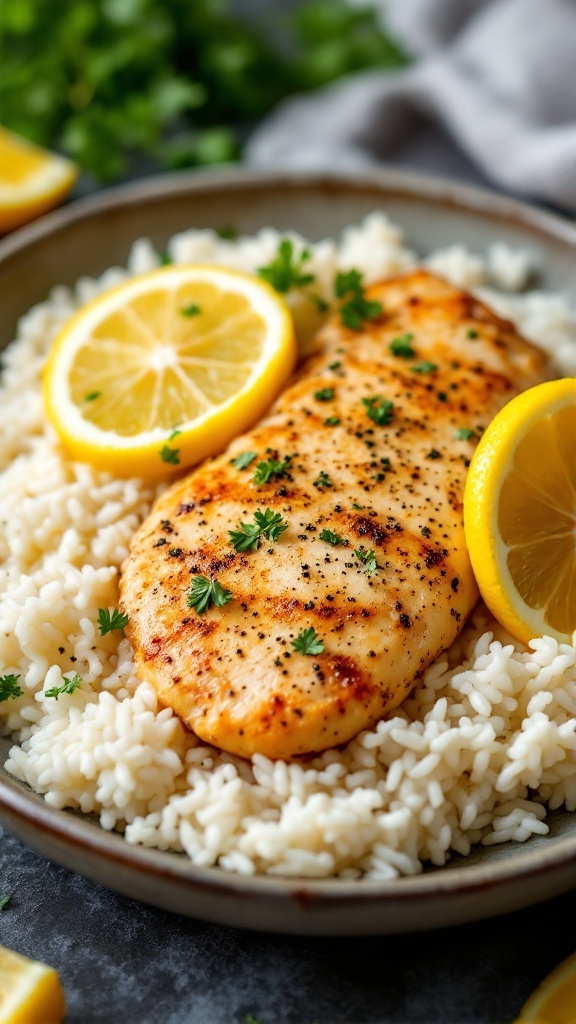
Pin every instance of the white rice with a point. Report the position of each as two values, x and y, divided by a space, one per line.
482 746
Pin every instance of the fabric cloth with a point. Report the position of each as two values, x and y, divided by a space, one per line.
498 77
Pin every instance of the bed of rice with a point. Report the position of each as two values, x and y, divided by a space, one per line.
475 755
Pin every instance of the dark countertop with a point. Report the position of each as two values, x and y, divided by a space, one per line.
125 963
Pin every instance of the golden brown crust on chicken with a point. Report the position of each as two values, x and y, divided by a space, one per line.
396 489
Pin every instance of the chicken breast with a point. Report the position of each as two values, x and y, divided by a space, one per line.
374 437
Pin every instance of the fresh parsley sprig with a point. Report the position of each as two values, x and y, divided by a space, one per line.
268 468
9 687
285 271
357 308
368 560
308 642
205 593
243 460
379 410
268 525
68 686
110 620
332 538
401 346
323 480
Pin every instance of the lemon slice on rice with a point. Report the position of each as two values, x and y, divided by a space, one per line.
32 180
166 368
520 513
30 992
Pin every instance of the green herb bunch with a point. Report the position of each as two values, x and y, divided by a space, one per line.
174 80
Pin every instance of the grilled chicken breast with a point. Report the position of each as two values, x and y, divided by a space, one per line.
374 436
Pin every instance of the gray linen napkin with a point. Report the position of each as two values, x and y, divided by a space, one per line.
499 77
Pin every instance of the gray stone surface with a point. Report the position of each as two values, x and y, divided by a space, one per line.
125 963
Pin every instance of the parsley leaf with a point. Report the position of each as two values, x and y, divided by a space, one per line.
271 467
170 455
368 559
379 410
107 622
243 460
464 434
9 687
68 686
204 593
472 334
332 421
323 480
335 366
423 367
324 394
401 346
332 538
191 310
358 308
308 642
285 270
227 233
268 525
5 900
92 396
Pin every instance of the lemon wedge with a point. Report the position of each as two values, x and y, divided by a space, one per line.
520 513
554 1001
32 180
30 992
166 368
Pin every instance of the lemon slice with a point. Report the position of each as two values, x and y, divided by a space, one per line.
32 180
30 992
520 513
166 368
554 1001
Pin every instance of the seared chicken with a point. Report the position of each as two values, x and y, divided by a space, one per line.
374 436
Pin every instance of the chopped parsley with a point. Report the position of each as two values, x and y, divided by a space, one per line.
174 434
357 308
321 305
5 900
323 480
308 642
385 463
9 687
324 394
332 538
441 396
424 367
332 421
170 455
464 434
357 506
92 396
285 271
191 310
68 686
205 593
243 460
472 333
379 410
434 454
107 622
268 525
251 1019
401 346
368 559
227 233
271 467
335 366
165 259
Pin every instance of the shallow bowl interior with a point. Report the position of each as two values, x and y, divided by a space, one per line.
91 235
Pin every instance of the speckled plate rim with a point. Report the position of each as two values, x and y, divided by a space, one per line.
305 906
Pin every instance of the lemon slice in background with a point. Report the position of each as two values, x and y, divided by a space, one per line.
166 368
520 513
30 992
32 180
554 1001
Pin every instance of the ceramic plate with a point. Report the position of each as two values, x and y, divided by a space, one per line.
93 234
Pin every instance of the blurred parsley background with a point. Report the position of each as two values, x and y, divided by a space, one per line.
175 83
